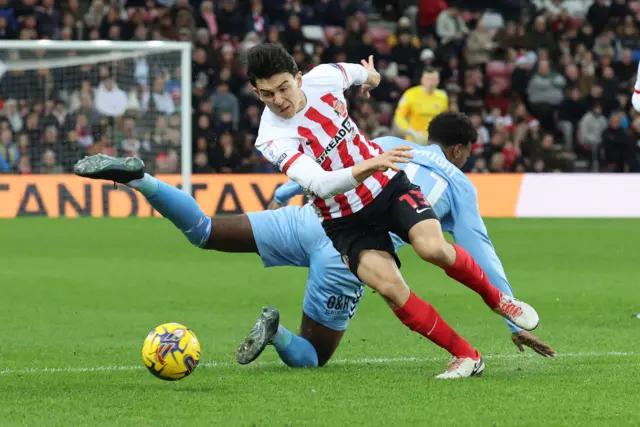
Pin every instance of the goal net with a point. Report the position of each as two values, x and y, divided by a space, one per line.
62 100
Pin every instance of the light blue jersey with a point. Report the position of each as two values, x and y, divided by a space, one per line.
454 200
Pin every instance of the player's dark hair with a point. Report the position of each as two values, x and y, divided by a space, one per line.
429 69
266 60
450 129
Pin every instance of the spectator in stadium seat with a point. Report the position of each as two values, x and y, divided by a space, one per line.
545 92
592 125
162 99
598 15
603 45
48 20
6 32
292 34
610 84
629 37
388 90
11 113
50 163
405 54
480 45
480 166
471 99
540 37
335 46
76 9
9 154
572 77
497 98
229 159
59 115
625 69
570 111
450 27
24 165
24 145
207 18
257 20
203 76
70 151
110 100
597 96
84 131
230 20
201 163
618 146
224 101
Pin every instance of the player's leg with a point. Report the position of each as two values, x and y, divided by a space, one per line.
312 347
368 251
379 269
228 234
331 298
410 217
323 339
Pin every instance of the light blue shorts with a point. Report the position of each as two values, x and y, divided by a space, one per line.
293 236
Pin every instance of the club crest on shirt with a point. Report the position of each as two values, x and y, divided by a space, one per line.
340 108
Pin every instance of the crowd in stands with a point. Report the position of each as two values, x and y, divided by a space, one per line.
547 82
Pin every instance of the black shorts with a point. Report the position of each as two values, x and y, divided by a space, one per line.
399 207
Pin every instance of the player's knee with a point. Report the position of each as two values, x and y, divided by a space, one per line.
434 250
393 289
199 234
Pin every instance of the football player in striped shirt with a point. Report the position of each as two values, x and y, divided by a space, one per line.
361 195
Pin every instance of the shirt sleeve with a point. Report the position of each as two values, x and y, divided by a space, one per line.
346 74
470 233
285 154
286 192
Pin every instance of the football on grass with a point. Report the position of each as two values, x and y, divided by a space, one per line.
171 351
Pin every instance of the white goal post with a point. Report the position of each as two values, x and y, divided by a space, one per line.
18 57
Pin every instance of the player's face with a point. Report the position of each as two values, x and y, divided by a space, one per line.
281 93
430 81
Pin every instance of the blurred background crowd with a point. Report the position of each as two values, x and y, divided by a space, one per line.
547 82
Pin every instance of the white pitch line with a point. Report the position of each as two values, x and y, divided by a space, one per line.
365 361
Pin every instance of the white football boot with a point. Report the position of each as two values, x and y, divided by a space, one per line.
462 367
520 313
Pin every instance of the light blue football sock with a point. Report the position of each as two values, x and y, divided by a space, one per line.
176 206
293 350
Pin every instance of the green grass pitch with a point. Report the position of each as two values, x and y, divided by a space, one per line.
81 295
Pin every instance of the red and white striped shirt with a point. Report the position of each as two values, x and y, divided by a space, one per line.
323 138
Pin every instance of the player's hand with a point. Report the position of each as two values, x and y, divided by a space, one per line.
524 338
273 205
388 159
374 77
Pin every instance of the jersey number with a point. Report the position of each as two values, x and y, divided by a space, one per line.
415 199
436 191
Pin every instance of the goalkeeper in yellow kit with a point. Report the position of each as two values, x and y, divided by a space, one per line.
418 106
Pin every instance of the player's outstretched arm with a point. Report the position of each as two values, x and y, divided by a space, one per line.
302 169
364 75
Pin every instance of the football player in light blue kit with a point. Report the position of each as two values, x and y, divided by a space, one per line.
293 236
